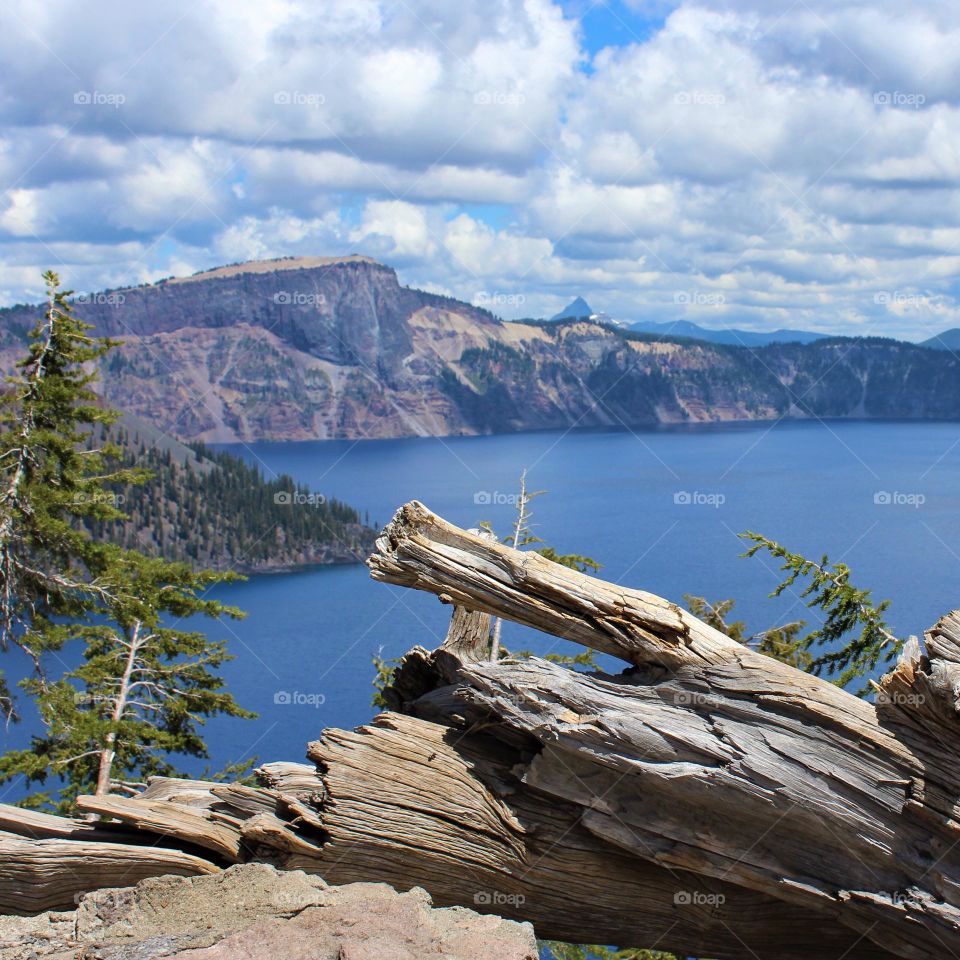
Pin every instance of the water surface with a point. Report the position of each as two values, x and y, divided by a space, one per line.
661 511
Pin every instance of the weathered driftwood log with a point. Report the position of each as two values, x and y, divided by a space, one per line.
707 800
710 757
419 804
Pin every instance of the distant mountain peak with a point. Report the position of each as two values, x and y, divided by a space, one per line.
948 340
574 310
726 335
303 349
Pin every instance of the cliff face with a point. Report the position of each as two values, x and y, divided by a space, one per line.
336 348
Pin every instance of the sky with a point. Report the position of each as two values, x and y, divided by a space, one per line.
758 163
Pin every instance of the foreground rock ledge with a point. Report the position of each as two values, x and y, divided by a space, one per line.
706 800
255 911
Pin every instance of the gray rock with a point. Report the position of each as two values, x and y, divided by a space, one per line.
253 911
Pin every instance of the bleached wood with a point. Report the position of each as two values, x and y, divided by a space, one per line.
216 832
710 757
293 779
35 825
38 875
421 550
414 803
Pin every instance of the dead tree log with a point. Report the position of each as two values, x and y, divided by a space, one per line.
707 756
38 875
707 800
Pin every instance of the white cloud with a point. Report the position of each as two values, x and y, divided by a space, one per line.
802 159
276 234
396 229
22 215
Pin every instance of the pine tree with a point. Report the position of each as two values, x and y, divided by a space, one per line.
553 950
142 691
145 687
521 535
52 478
782 643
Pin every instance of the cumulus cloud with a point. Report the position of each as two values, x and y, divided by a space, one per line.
748 161
395 229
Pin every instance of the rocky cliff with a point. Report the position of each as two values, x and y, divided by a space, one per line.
305 348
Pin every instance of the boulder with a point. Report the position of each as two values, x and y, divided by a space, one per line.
253 911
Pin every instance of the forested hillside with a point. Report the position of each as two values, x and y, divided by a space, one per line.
214 510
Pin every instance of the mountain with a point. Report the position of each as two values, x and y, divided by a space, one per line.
214 510
732 336
323 348
579 309
575 310
948 340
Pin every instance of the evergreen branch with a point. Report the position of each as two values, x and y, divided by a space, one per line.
854 635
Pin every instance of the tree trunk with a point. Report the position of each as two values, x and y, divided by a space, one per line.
706 756
109 752
708 800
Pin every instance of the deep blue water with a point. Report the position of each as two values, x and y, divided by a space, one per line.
812 486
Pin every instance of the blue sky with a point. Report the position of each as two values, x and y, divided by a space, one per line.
765 163
615 24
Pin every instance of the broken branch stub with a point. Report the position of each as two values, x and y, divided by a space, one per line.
421 550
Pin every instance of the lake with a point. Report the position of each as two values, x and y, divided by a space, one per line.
660 510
